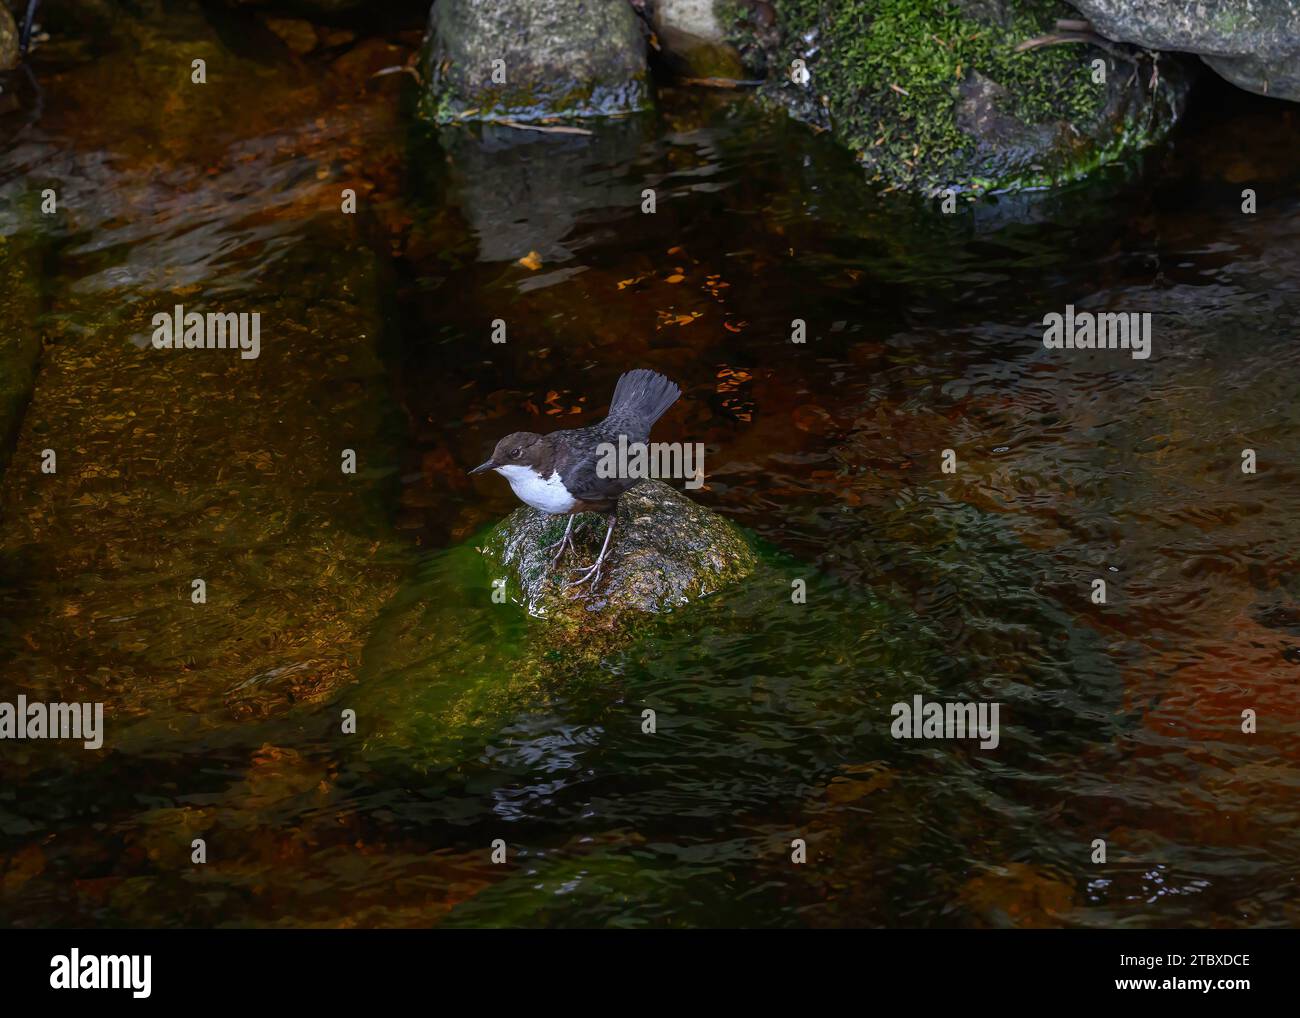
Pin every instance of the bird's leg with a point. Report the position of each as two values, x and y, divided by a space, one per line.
26 37
565 542
592 573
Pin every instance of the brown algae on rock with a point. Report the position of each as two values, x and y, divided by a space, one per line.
666 551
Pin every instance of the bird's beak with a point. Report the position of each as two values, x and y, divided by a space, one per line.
489 465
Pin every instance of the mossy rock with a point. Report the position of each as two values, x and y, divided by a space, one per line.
667 551
449 662
570 58
933 94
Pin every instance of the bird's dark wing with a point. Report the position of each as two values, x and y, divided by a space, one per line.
577 459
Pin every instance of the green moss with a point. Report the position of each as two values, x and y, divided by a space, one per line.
738 21
444 102
888 73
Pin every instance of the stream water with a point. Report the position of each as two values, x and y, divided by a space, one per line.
329 591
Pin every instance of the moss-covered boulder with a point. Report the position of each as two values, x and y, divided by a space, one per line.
667 551
487 60
8 40
1255 44
450 661
932 94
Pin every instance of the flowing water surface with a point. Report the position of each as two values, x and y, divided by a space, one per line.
330 591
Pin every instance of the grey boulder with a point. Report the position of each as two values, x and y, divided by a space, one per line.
1255 44
492 60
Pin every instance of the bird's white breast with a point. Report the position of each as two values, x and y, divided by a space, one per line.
549 494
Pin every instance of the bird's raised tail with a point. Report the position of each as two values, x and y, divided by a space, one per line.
641 397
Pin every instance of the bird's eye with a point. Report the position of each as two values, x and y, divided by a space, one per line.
514 453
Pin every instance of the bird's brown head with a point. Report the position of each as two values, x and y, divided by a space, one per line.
522 449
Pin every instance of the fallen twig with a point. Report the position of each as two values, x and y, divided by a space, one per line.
1088 38
722 82
548 129
397 69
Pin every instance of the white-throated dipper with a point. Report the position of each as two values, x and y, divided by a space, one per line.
556 473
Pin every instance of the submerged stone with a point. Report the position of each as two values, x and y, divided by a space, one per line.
20 342
9 55
488 60
667 551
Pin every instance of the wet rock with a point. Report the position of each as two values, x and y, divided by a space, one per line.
298 35
929 95
8 40
1277 78
1255 44
693 38
487 60
667 551
1017 896
981 114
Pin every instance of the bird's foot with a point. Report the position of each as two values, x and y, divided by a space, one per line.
590 574
564 544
